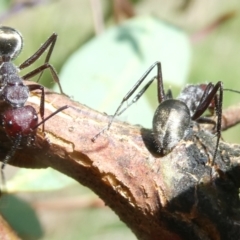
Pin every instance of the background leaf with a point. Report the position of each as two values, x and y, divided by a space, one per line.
38 180
103 70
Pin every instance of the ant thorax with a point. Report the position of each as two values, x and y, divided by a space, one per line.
13 90
191 95
8 73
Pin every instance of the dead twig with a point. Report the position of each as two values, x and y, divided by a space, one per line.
158 197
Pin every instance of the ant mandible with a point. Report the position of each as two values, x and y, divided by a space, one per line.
173 117
20 121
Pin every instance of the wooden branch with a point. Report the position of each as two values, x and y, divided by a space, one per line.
231 117
6 231
158 197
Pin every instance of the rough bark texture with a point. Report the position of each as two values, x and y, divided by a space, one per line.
158 197
6 233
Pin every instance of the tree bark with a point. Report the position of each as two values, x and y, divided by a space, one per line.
177 196
6 231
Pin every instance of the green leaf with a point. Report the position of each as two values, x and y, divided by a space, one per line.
38 180
101 72
4 5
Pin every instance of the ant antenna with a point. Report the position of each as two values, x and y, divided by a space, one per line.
231 90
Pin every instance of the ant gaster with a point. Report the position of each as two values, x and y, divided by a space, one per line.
20 121
173 117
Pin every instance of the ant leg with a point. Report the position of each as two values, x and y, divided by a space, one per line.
33 87
203 105
14 148
161 94
231 90
117 113
218 103
206 92
50 43
206 120
138 83
18 139
52 114
134 100
40 70
208 96
169 94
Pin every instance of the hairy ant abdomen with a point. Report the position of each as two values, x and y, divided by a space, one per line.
20 121
171 123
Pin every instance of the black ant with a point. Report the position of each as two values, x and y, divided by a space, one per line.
173 117
20 121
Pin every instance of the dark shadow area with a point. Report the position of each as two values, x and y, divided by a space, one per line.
206 203
148 139
213 208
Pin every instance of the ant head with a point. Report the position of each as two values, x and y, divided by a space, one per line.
20 121
11 42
